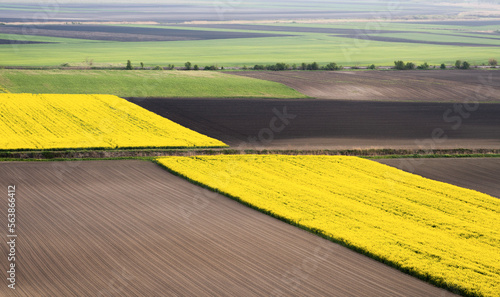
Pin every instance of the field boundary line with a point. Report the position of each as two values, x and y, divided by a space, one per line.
83 154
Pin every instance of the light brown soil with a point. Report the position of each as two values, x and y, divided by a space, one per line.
480 174
427 86
129 228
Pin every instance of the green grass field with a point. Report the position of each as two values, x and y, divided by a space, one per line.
141 83
304 47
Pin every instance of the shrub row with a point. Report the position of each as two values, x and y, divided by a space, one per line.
283 66
398 65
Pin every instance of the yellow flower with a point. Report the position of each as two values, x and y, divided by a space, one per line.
29 121
435 230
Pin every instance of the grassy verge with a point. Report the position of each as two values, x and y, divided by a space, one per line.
102 154
142 83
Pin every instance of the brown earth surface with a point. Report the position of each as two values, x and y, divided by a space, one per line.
125 33
12 41
406 40
480 174
422 85
221 10
302 124
130 228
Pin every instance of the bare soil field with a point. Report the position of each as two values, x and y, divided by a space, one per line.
129 228
423 85
459 23
125 33
480 174
220 10
332 124
9 41
405 40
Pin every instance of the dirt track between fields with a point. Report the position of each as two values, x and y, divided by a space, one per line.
309 124
129 228
422 85
480 174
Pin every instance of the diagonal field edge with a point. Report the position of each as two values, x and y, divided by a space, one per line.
421 275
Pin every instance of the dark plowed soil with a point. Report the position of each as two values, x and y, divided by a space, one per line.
430 85
405 40
129 228
9 41
480 174
123 33
331 124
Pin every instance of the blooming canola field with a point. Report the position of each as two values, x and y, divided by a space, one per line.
53 121
442 233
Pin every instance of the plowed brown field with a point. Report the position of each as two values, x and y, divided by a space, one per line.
129 228
422 85
480 174
333 124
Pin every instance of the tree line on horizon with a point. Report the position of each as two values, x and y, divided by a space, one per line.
398 65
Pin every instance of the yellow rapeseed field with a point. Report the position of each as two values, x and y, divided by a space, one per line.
29 121
439 232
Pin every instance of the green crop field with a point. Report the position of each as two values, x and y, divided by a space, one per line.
294 47
141 83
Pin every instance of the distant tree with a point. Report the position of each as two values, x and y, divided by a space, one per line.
213 67
410 66
303 66
372 66
331 66
157 67
294 66
170 66
465 65
196 67
89 61
458 64
129 65
313 66
492 62
443 66
281 67
399 65
188 65
142 65
259 67
424 66
245 67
